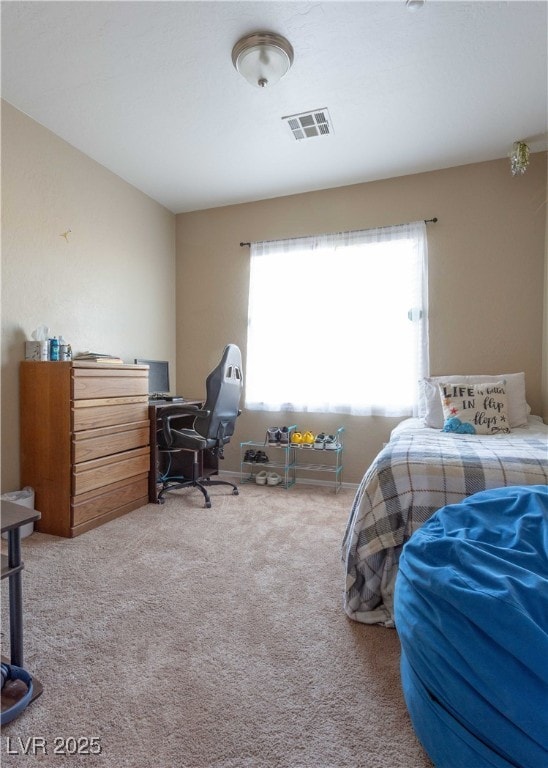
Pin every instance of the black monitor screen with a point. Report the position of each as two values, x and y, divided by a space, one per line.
158 376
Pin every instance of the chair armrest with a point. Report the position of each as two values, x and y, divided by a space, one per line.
178 410
171 412
192 410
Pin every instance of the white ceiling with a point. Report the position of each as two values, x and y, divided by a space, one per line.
148 90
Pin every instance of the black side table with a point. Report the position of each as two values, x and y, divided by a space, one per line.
13 517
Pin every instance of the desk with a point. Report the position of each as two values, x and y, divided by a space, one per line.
13 517
181 462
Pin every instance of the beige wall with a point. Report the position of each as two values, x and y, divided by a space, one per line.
110 288
486 280
112 285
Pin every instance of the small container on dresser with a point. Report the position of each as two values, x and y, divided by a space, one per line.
85 442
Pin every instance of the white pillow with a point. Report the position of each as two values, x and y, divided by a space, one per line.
430 400
474 409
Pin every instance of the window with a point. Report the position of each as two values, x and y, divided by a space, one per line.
338 323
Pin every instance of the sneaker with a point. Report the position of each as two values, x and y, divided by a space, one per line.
272 436
331 443
261 477
261 457
249 455
284 436
308 440
273 479
319 442
296 440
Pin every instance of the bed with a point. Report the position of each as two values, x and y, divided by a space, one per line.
420 470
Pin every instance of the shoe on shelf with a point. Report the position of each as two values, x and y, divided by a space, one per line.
272 436
296 440
308 440
331 443
273 479
249 455
284 436
261 457
261 477
319 442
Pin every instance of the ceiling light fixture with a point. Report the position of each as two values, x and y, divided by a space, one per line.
519 158
262 58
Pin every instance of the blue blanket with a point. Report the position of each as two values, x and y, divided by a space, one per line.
471 610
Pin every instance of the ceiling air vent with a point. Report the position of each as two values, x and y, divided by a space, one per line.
306 125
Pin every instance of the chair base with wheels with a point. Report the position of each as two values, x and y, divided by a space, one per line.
174 483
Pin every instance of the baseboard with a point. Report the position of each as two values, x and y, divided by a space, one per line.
235 477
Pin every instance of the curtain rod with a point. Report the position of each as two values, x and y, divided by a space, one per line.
303 237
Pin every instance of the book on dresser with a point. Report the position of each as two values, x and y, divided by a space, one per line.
85 441
97 357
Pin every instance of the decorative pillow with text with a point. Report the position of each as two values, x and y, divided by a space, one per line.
514 383
474 409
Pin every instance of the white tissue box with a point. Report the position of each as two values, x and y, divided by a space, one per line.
36 350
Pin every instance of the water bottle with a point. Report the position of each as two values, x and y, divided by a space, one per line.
54 349
44 350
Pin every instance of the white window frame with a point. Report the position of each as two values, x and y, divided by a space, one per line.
339 323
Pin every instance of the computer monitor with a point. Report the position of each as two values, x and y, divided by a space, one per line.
158 376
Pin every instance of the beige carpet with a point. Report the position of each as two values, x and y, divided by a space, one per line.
190 638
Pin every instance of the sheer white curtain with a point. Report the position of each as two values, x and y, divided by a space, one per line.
338 323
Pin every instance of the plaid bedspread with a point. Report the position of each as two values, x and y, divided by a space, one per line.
416 474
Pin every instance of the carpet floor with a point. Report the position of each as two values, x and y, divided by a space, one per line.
184 637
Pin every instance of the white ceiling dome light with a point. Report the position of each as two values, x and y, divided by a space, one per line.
263 58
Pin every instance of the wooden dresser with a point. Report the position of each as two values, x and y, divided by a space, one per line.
84 442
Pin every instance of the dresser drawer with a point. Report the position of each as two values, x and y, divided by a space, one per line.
94 415
98 473
94 443
88 384
114 496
